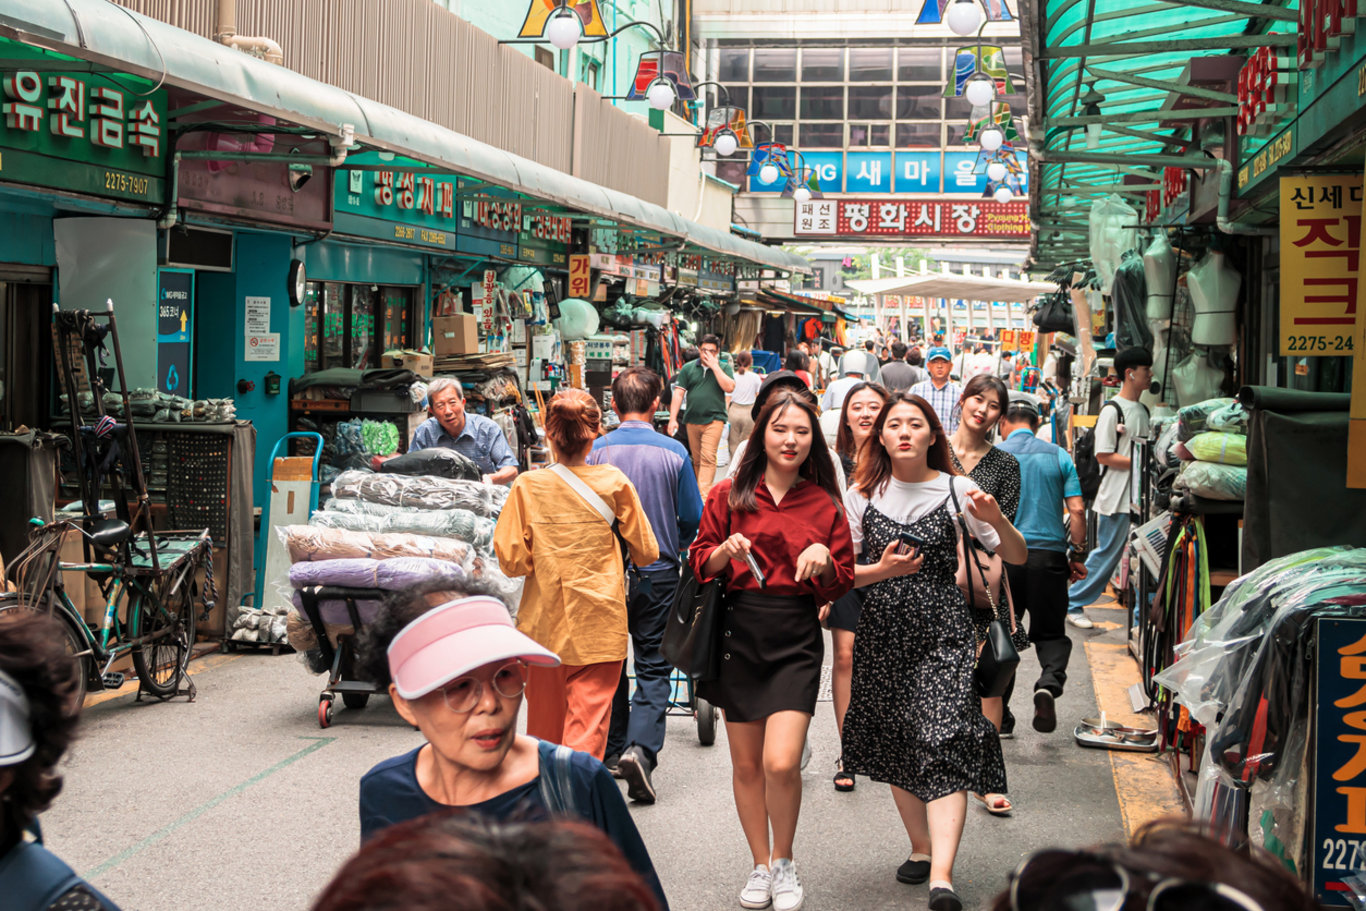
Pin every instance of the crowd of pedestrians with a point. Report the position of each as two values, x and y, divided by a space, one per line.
851 520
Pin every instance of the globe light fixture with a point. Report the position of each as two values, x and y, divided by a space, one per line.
963 17
563 29
661 94
726 143
980 90
991 138
768 173
1003 194
801 194
996 172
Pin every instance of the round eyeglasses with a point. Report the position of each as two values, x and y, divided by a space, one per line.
463 693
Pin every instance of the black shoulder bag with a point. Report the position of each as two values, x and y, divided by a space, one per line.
692 635
999 658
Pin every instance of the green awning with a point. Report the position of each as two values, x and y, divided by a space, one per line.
112 37
1140 56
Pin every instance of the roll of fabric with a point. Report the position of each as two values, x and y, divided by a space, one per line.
451 523
421 492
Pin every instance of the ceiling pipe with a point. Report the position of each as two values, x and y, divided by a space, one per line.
1222 220
226 33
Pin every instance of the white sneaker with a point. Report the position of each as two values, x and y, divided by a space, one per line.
787 888
758 890
1080 621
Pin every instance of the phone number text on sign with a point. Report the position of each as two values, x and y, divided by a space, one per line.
913 217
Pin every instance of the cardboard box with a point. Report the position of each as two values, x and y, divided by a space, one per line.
455 335
416 361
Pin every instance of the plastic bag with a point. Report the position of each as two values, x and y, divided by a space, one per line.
1130 305
421 492
1213 481
1232 418
1224 448
1194 419
578 319
1110 236
437 462
443 523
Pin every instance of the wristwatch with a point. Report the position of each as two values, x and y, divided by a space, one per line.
1076 555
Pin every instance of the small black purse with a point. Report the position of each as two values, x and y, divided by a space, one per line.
999 658
1055 314
691 637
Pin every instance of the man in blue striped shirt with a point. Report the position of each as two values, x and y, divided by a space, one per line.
659 468
941 392
471 435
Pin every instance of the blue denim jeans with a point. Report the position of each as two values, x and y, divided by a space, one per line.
1112 532
638 720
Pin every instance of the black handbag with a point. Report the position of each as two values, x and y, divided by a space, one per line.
1055 314
691 637
999 658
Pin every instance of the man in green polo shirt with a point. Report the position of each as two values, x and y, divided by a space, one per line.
706 381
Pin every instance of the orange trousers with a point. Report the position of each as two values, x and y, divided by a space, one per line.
572 704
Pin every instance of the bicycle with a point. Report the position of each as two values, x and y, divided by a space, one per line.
157 626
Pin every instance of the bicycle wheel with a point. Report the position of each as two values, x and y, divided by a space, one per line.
76 645
167 624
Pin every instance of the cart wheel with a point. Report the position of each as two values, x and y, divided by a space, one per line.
325 713
706 721
355 700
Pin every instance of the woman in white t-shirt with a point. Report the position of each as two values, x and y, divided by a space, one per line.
914 718
747 384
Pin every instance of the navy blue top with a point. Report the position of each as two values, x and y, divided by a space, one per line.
658 467
390 793
482 440
1047 475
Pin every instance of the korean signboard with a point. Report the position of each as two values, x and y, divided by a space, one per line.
544 240
580 275
918 172
175 313
1320 256
84 132
1339 835
396 205
912 218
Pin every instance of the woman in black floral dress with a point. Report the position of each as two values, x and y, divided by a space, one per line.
914 719
996 471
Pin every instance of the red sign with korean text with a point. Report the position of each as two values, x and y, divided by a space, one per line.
1320 256
912 218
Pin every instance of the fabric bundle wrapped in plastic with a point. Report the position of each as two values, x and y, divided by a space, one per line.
445 523
1194 419
436 462
1213 481
1224 448
1129 297
421 492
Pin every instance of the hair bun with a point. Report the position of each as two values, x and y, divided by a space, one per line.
573 420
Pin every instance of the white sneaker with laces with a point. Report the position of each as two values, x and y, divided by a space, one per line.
758 890
787 888
1080 621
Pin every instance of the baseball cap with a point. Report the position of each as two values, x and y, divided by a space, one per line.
771 384
933 353
453 639
16 733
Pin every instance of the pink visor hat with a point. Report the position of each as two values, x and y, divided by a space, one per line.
451 640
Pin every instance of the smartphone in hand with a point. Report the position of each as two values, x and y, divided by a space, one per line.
753 565
910 544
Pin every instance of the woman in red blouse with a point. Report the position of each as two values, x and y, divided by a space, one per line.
782 508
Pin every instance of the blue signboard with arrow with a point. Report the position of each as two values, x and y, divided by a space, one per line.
175 318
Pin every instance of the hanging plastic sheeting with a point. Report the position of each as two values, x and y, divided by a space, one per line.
1129 296
1244 673
1110 236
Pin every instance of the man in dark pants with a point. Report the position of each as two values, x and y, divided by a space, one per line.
659 468
1048 483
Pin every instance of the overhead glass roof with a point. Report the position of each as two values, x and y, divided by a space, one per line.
1139 55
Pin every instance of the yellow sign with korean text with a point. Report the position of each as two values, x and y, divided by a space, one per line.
1320 260
1356 428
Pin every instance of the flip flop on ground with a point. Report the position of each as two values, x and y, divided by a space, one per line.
995 804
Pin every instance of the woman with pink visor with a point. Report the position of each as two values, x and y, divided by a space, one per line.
457 672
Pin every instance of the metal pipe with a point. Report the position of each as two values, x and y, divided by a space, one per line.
1221 220
226 33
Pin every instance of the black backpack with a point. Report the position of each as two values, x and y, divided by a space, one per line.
1089 471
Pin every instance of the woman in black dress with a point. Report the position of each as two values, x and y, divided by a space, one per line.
782 510
996 471
914 719
858 414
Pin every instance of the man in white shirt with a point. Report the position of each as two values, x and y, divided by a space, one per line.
1121 421
833 399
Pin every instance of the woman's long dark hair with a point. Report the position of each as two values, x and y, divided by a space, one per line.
818 468
844 437
982 384
875 466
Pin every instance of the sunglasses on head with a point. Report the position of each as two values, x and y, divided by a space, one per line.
1078 881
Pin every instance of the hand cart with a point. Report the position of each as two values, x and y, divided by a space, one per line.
683 700
340 656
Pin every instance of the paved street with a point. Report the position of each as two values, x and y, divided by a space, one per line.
239 801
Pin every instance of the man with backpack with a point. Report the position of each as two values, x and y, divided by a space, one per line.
1105 469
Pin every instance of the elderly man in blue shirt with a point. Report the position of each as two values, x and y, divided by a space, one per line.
472 435
658 467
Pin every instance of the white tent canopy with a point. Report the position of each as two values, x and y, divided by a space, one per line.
953 286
